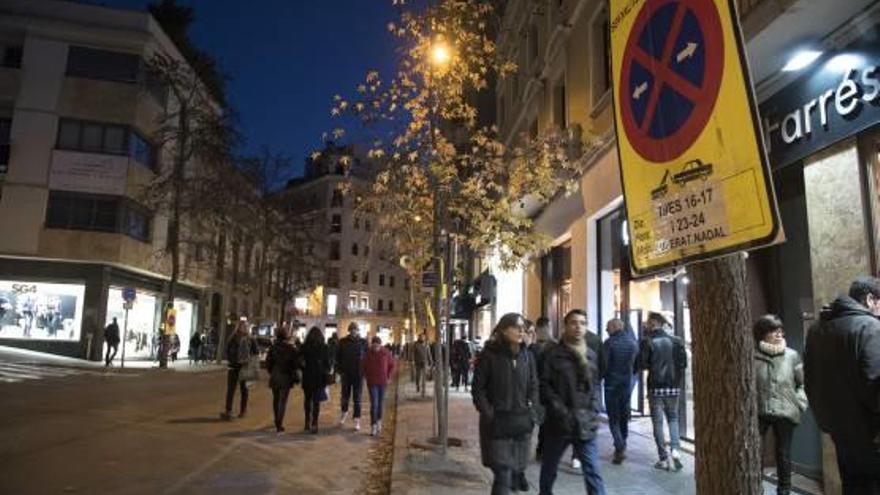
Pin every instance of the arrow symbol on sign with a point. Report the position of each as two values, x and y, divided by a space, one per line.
687 52
640 89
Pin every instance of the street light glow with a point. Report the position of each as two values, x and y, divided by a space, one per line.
440 54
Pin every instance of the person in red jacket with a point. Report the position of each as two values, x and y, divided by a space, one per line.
377 367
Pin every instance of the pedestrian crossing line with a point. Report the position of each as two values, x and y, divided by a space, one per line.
19 372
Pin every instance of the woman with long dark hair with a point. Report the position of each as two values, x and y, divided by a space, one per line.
316 367
504 391
282 362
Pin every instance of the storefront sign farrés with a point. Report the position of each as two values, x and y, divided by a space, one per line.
837 97
694 172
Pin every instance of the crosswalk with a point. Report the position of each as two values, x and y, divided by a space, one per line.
19 372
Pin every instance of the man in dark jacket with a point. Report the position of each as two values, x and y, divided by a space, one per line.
620 351
665 358
569 381
460 363
349 356
842 378
422 360
111 337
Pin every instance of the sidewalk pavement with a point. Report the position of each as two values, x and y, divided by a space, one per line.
25 356
418 469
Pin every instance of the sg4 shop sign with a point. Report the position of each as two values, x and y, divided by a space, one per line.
694 172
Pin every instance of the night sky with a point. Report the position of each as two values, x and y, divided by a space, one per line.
287 59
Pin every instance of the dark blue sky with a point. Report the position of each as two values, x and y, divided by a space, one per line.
288 58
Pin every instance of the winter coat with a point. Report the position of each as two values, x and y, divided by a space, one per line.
779 380
503 382
349 354
240 349
665 358
332 347
421 354
378 366
461 355
283 363
569 391
111 334
594 342
842 375
316 365
620 351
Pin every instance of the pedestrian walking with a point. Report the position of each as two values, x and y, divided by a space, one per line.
332 348
779 380
283 365
665 358
175 347
569 389
349 355
378 365
842 380
505 392
620 350
460 363
241 351
111 338
316 369
543 341
422 360
195 348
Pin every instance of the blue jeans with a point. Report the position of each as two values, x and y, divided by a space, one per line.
352 386
587 452
377 397
617 407
667 406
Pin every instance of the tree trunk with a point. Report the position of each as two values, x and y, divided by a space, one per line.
727 442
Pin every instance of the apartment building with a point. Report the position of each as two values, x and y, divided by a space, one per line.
77 116
364 283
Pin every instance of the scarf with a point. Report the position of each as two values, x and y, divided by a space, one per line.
579 347
771 349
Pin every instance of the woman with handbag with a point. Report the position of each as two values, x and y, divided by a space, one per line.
241 356
505 392
283 365
316 368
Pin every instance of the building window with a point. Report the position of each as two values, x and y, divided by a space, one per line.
390 306
367 225
334 250
380 306
10 56
5 131
365 303
336 224
600 70
406 307
391 281
103 64
559 104
533 129
366 278
352 303
357 222
331 304
96 137
354 276
533 44
97 213
336 200
381 280
366 251
406 283
333 277
354 249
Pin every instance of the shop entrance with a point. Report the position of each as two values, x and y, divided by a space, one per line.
141 341
629 299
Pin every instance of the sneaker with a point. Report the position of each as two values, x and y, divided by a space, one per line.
343 418
357 424
575 464
662 464
279 430
676 461
225 416
378 427
373 430
242 414
618 457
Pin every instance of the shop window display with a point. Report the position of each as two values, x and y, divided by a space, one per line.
40 311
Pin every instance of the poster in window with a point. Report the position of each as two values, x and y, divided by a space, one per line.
88 172
40 311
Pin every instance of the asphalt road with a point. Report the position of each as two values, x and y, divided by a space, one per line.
158 432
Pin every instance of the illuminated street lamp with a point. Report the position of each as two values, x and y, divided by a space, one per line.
440 54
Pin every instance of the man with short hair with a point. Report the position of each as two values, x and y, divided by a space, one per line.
665 358
620 351
422 359
543 341
349 357
569 381
111 337
842 380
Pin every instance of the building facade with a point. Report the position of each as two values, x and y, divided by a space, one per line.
77 116
363 282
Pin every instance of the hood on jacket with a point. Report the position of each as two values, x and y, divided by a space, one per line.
842 307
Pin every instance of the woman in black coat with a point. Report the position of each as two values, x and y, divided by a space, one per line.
283 364
505 389
316 368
